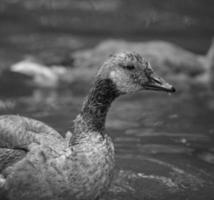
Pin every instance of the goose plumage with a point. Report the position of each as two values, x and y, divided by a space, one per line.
37 163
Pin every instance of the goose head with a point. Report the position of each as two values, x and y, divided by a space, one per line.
131 73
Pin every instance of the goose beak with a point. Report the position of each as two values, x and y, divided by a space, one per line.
159 84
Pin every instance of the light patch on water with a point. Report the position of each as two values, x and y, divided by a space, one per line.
151 133
160 148
167 181
207 157
175 177
182 178
178 170
2 181
124 181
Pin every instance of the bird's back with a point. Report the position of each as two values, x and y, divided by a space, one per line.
18 133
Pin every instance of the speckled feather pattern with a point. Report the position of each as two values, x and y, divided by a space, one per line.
81 172
97 104
49 168
37 163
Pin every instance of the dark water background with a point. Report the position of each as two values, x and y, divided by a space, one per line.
164 144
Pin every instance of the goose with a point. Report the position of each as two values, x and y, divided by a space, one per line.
37 163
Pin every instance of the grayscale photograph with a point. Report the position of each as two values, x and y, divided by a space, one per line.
106 100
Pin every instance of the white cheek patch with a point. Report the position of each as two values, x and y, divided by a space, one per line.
112 74
123 82
120 80
2 181
115 76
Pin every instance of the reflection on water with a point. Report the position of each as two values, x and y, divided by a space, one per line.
164 144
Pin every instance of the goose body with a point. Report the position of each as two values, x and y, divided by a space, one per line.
37 163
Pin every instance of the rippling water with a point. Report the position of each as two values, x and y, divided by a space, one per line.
164 144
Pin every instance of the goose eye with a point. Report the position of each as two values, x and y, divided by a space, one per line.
129 67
